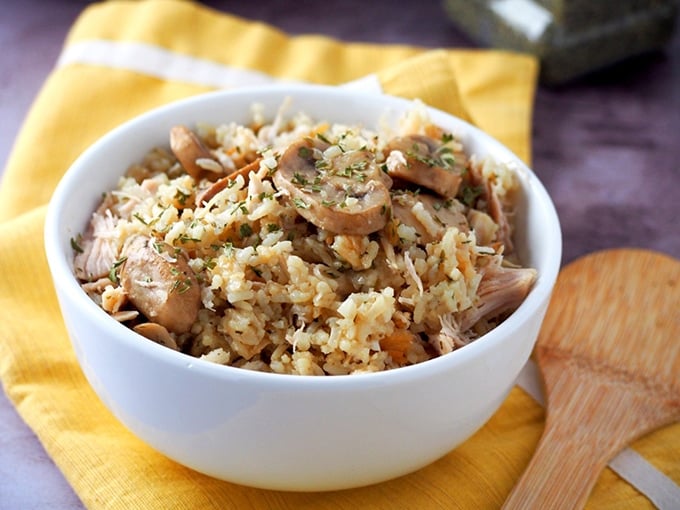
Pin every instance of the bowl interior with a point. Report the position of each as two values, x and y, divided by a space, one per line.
538 236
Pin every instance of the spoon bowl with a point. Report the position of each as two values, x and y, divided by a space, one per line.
609 355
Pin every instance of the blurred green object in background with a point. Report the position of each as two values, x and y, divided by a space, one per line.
570 37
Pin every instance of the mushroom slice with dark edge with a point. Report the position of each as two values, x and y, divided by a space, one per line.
495 209
189 150
205 195
429 215
160 283
156 333
426 162
347 194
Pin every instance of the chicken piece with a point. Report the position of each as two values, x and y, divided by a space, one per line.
98 249
427 162
430 216
194 156
347 194
501 289
160 283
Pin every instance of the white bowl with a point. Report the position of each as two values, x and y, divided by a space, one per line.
281 431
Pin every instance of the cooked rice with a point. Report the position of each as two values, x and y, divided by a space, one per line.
279 294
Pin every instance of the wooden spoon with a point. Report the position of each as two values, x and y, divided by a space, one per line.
609 354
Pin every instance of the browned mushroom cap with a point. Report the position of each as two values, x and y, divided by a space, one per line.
430 216
426 162
344 195
189 149
160 283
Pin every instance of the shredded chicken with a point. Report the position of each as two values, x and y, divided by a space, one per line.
98 248
501 289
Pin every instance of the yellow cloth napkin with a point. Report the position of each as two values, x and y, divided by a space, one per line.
82 99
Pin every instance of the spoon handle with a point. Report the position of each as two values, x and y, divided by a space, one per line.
561 475
591 417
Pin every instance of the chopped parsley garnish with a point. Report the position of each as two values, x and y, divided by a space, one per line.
304 152
245 230
300 204
181 197
113 273
141 220
468 194
323 138
299 179
185 238
75 244
181 285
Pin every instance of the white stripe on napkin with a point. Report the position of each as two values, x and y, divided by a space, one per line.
164 64
661 490
159 63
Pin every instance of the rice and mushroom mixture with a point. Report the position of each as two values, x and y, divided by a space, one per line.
299 246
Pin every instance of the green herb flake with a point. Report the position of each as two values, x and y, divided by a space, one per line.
469 194
304 152
299 179
75 244
181 285
140 219
300 204
181 197
245 230
113 272
185 238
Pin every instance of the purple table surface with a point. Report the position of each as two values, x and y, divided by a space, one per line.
607 147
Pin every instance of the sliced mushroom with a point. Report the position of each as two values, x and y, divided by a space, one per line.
204 196
430 216
427 162
346 194
160 283
157 333
189 150
494 207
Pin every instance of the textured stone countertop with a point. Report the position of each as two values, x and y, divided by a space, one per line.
607 147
